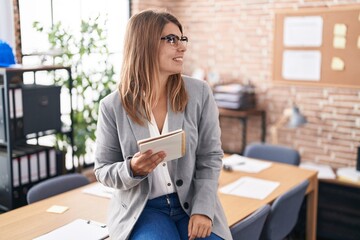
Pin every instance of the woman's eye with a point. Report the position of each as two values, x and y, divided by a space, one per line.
171 39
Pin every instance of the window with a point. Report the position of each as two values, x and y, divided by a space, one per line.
70 13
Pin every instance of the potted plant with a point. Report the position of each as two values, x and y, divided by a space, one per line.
93 76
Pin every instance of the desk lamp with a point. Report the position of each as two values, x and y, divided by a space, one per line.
292 117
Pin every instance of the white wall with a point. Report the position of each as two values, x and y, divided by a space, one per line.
7 22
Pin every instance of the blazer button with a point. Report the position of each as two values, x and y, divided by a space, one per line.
186 205
179 182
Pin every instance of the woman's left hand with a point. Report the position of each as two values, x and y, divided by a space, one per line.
199 226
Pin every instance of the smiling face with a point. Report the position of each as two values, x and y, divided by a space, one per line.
170 56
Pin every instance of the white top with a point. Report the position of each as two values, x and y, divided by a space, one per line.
161 184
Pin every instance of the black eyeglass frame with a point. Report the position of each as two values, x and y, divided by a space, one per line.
174 39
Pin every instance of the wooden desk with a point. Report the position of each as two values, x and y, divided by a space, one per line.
237 208
243 116
32 220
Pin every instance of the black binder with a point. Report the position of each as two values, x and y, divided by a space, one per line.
41 106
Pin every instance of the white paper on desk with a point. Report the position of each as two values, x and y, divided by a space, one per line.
250 187
78 229
244 164
99 190
324 171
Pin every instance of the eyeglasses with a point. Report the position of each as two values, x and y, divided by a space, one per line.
174 40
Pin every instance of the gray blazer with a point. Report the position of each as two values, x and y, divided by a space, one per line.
195 175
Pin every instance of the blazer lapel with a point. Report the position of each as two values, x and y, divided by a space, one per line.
175 121
140 131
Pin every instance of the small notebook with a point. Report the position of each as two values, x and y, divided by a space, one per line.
172 143
78 229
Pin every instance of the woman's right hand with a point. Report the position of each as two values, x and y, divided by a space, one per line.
144 163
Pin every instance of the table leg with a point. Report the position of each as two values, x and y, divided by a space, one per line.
263 126
311 210
244 128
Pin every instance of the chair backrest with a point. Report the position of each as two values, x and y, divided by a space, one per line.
250 227
284 213
54 186
273 153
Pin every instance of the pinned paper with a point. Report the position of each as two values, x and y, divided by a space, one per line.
340 29
339 42
303 31
57 209
301 65
337 64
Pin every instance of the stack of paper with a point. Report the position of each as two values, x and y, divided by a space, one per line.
348 174
324 171
239 163
250 187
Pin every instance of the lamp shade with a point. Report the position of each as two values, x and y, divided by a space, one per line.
296 118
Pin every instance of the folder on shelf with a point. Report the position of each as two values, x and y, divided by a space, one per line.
29 154
52 162
42 163
16 168
15 118
15 102
18 102
24 170
34 168
78 229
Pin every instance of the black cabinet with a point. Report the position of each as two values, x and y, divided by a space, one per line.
338 210
338 215
28 113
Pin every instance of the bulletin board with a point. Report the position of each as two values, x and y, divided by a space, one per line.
332 59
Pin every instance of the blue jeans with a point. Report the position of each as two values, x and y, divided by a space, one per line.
163 218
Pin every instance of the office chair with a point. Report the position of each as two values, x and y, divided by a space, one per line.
250 227
273 153
54 186
284 213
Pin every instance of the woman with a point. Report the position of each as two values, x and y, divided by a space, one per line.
159 200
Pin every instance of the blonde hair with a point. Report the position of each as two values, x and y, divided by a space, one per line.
140 67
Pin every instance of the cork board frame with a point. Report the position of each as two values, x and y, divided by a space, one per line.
350 75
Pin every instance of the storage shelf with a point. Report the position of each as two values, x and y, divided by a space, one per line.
21 164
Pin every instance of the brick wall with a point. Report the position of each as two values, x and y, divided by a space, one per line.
17 32
235 39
